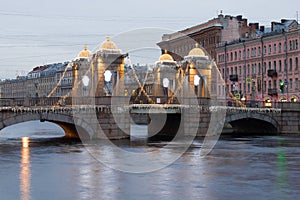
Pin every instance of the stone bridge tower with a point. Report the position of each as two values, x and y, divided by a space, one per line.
97 77
99 74
166 77
197 66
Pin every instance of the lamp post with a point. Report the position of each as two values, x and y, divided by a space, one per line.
243 99
85 82
107 79
166 85
196 83
268 103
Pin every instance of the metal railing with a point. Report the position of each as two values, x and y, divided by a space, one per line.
107 100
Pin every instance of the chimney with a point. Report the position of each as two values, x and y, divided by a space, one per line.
273 26
283 21
262 29
239 17
253 28
244 23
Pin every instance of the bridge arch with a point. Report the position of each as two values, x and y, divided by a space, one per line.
67 123
253 123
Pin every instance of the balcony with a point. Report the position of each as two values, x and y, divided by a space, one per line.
272 73
234 78
272 92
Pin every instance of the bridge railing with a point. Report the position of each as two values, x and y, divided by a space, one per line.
108 100
36 101
264 104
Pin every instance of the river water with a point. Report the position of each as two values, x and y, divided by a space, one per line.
266 167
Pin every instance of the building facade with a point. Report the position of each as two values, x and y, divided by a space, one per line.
39 82
263 66
208 35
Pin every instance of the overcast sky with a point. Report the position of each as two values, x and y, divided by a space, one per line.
37 32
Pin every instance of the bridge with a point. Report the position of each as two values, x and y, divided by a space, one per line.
186 98
106 121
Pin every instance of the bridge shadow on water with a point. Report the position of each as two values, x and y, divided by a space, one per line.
250 127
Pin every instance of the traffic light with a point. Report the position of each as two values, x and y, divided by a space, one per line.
281 86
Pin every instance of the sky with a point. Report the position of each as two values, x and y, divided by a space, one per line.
37 32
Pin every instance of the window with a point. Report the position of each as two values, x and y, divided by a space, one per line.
285 46
231 56
270 65
235 70
240 70
280 66
275 48
270 49
253 52
296 64
274 83
248 70
279 48
253 69
274 65
265 50
259 68
291 65
259 51
223 72
269 84
291 83
296 44
240 54
220 58
235 55
265 67
291 45
285 65
296 83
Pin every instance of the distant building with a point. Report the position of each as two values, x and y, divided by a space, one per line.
208 35
263 65
63 80
39 82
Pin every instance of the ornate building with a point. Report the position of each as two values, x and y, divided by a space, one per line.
98 74
263 66
208 35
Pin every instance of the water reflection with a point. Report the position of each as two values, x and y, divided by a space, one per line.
236 169
25 173
282 174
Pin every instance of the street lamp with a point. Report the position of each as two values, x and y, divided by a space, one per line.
196 83
268 103
166 85
85 80
107 75
243 99
107 79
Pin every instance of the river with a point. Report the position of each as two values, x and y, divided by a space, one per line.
35 167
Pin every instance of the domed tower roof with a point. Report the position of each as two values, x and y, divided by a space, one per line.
108 45
197 52
85 53
166 57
